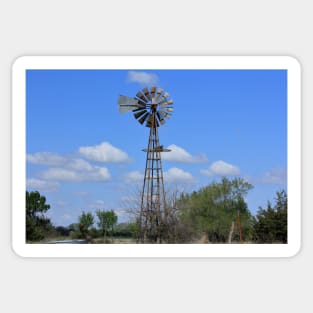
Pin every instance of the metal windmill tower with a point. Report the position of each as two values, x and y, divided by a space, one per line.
151 108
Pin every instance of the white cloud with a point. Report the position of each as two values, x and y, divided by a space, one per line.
142 78
59 174
104 152
42 185
97 204
121 212
94 174
98 174
46 158
175 174
275 176
179 154
221 168
79 165
133 177
75 169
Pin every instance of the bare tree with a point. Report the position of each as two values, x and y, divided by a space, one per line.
169 229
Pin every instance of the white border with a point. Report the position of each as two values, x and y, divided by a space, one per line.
156 62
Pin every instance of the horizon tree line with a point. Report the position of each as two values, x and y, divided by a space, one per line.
211 212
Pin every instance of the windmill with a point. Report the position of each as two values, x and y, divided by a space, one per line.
151 108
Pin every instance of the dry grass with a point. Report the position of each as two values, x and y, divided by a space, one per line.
114 241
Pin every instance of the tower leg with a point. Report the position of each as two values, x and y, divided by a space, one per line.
152 211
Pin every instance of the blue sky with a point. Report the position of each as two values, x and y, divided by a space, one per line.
82 154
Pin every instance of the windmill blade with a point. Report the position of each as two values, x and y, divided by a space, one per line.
159 92
140 109
147 93
152 91
160 99
165 114
151 106
138 114
127 104
167 109
142 103
153 94
166 103
163 99
143 118
150 120
161 119
166 95
158 95
141 96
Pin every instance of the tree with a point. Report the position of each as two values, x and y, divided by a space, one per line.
270 225
37 224
126 229
85 220
214 208
62 231
170 229
107 221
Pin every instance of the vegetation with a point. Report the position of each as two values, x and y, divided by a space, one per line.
37 224
270 225
85 221
213 209
216 213
125 230
107 221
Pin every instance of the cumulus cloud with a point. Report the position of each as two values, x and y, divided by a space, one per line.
62 174
42 185
121 212
276 176
221 168
75 169
79 165
175 174
59 174
179 154
104 152
46 158
133 177
142 78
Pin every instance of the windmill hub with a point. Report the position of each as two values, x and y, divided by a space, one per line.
151 107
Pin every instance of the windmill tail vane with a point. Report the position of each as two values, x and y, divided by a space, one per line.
151 107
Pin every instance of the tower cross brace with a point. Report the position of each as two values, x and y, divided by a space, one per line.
153 204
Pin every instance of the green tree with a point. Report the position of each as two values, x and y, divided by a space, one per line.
85 221
62 231
270 225
212 209
125 230
37 224
107 221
